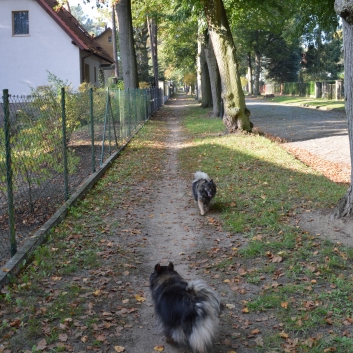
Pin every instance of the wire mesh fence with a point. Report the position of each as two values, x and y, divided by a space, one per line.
50 143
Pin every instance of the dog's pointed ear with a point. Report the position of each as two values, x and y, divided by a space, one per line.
158 268
211 181
171 266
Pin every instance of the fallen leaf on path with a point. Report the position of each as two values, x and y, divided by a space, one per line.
283 335
119 349
230 306
42 345
159 348
139 298
63 337
284 305
277 259
259 341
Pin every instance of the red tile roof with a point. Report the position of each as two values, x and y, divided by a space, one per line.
74 29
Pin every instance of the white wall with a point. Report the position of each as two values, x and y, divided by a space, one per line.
24 60
93 62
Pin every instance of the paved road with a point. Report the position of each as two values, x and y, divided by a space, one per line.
320 132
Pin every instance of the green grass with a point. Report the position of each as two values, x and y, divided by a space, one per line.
300 280
260 188
309 102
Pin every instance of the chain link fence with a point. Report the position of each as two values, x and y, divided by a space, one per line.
50 143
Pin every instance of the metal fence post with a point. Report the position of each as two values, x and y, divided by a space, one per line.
92 128
135 101
9 173
63 119
128 112
146 104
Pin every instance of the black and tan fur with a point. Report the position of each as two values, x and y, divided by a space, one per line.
204 190
187 311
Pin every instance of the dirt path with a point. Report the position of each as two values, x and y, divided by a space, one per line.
169 222
156 220
176 232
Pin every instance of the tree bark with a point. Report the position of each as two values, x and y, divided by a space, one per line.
215 79
127 47
236 115
115 52
344 8
198 63
152 31
250 82
206 98
257 73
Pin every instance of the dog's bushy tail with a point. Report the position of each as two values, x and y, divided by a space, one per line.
201 175
207 320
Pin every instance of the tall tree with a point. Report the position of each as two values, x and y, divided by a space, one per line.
127 45
322 60
256 26
236 115
78 13
142 49
152 31
206 93
215 78
344 8
282 61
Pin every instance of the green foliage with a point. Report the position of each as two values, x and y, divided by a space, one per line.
323 59
282 61
141 48
37 132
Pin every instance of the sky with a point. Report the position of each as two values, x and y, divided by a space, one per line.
89 8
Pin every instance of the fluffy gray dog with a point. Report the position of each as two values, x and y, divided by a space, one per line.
204 190
187 311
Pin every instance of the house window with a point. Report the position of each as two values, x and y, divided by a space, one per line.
20 23
95 75
109 39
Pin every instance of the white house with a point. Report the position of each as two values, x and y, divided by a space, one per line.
36 37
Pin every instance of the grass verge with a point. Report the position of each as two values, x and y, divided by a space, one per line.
309 102
299 280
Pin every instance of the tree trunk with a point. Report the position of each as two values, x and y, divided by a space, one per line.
152 31
206 99
126 40
115 52
257 73
215 79
250 82
198 63
236 115
344 8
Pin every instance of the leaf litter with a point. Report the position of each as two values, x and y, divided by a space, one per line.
87 288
